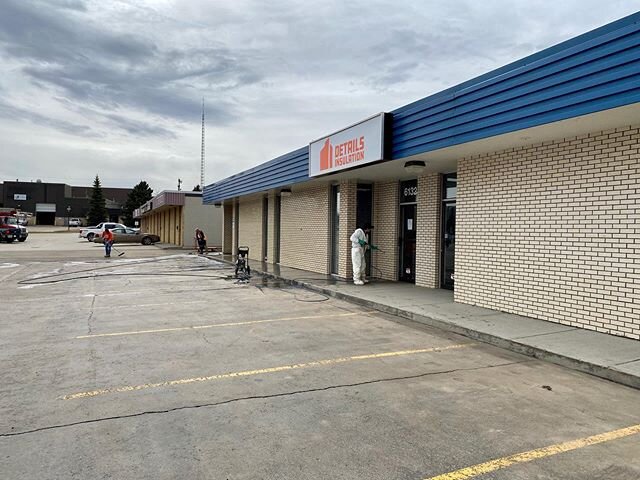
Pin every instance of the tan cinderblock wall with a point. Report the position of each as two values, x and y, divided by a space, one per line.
428 231
250 226
304 229
550 231
385 232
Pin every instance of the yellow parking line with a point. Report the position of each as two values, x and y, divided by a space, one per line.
497 464
246 373
216 325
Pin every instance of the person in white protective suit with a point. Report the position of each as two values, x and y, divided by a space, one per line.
359 245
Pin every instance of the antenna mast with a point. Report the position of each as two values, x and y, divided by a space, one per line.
202 150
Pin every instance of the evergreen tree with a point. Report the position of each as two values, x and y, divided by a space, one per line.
97 205
140 195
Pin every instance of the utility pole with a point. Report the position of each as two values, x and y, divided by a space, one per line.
179 183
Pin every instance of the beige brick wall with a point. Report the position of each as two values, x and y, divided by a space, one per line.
250 226
551 231
385 233
304 229
348 198
428 231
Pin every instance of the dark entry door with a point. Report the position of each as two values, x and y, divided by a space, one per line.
448 244
364 210
408 244
335 228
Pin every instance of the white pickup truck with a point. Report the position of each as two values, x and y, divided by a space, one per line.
90 232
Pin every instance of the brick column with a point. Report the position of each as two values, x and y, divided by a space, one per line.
348 198
428 231
385 234
227 228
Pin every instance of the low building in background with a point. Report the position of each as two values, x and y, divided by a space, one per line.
56 203
174 216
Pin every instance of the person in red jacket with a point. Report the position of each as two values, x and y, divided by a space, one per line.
107 239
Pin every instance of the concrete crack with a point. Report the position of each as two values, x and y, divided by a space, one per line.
204 337
260 397
89 329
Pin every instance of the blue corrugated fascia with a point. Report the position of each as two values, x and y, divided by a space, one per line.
547 52
285 170
593 72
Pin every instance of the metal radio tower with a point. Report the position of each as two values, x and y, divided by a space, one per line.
202 150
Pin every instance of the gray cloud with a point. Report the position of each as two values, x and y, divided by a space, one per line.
19 114
122 81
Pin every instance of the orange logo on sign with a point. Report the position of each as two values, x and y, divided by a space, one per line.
326 156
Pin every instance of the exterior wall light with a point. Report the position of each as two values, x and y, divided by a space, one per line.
415 166
285 192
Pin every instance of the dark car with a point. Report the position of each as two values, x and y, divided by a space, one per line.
129 235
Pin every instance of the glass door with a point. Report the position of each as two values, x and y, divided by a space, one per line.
408 243
448 244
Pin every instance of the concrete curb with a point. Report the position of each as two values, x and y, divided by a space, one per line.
601 371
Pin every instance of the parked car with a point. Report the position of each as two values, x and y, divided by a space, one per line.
90 232
75 222
130 235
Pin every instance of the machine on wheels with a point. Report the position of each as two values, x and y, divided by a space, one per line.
242 263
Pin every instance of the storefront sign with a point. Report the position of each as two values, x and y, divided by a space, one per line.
354 146
19 196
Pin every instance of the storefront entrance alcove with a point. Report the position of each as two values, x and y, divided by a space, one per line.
364 215
408 210
448 252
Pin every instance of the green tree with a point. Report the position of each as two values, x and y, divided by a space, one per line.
140 195
97 205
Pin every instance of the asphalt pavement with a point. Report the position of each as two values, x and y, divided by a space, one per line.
161 365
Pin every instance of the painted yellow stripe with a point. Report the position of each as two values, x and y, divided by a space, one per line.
247 373
493 465
217 325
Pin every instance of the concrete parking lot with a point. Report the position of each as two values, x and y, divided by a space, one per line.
159 365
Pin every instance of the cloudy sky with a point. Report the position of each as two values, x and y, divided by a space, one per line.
115 87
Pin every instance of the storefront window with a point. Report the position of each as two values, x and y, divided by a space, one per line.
450 186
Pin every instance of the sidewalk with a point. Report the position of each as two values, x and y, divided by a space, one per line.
607 356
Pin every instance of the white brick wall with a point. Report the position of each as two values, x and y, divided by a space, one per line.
428 231
304 229
250 226
551 231
385 233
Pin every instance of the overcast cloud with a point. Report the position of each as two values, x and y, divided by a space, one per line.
115 87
